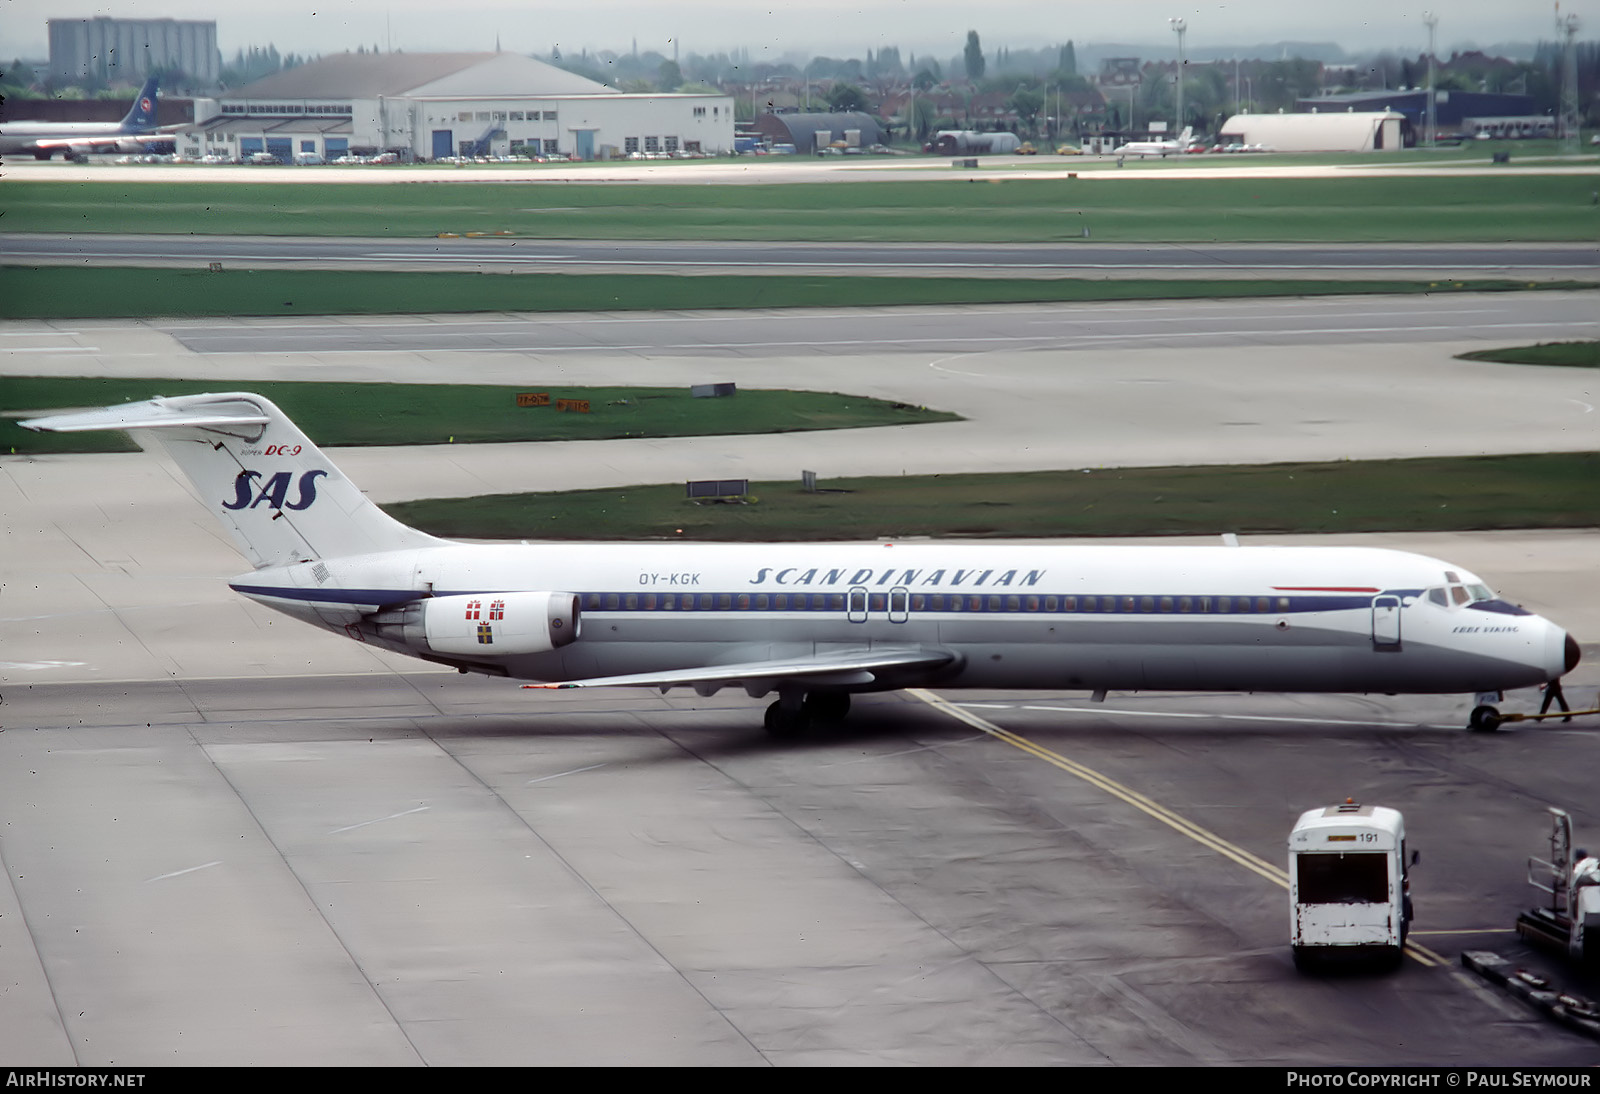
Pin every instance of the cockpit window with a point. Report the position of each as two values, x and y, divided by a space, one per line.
1456 594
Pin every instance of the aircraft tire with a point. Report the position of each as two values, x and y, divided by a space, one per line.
1484 719
827 706
786 724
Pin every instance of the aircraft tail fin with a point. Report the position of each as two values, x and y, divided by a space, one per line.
279 496
142 115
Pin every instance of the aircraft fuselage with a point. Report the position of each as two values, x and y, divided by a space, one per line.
1061 617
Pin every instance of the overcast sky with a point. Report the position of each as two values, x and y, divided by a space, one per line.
840 28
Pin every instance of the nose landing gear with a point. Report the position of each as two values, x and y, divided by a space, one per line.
1486 718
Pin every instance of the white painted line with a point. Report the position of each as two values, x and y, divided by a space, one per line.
49 349
180 873
380 820
564 774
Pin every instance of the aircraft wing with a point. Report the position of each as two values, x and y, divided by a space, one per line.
143 136
79 142
835 668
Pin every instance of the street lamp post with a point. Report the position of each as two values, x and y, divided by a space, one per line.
1179 26
1432 21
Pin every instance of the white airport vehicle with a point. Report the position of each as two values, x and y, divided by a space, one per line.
1349 894
813 624
1571 923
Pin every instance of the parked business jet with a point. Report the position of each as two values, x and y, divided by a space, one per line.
76 139
1162 148
813 624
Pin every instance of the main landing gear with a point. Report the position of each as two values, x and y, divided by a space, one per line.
796 712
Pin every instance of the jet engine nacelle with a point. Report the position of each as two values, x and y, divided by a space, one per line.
500 624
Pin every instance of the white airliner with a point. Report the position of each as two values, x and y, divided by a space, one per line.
813 624
76 139
1162 148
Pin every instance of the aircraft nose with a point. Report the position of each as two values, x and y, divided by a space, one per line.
1561 653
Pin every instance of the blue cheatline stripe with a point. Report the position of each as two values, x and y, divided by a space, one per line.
970 603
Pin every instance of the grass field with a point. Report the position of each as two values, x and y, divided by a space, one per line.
1571 354
383 414
1538 491
67 292
1438 207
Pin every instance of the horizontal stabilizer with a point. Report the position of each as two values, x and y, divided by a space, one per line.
154 414
853 669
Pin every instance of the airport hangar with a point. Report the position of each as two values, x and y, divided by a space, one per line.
431 106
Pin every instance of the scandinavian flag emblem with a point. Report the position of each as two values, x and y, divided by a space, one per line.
474 607
485 634
497 609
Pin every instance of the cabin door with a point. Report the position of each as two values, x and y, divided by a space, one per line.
1386 623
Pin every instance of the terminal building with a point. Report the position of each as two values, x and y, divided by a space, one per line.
1451 109
434 106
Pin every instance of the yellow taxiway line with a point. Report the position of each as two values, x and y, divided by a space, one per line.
1255 864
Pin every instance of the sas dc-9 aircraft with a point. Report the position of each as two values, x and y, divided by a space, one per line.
814 624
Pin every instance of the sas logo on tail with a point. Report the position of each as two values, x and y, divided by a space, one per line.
248 494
